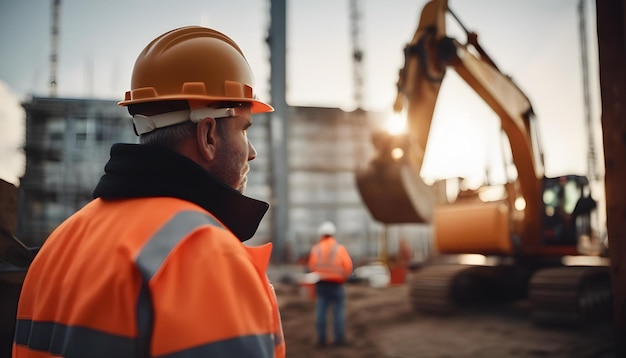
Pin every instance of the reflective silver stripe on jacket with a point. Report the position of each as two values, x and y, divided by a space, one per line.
75 341
326 264
156 250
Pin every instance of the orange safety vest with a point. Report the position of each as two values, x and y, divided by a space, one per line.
108 283
330 260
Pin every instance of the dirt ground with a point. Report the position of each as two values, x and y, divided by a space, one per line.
381 324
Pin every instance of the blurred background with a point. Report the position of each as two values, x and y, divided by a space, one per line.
65 64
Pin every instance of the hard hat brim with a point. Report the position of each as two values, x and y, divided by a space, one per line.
256 106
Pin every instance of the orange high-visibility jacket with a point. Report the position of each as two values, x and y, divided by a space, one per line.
108 283
330 260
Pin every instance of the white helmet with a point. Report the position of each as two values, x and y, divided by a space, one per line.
326 229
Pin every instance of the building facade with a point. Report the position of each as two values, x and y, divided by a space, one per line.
67 144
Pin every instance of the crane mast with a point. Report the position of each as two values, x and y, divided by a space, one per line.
54 32
357 53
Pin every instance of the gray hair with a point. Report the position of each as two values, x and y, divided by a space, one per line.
174 135
170 136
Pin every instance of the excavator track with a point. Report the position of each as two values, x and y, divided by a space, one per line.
430 288
439 289
570 295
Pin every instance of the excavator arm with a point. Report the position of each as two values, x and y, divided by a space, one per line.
391 186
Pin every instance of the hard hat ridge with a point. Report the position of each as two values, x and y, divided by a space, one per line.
196 64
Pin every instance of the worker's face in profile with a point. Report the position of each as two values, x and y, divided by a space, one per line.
234 151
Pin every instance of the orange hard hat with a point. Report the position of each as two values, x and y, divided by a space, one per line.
196 64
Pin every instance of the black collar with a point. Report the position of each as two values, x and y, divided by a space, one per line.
140 171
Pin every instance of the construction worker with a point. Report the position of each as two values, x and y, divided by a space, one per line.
333 265
155 265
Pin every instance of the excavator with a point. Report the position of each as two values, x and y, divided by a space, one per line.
526 237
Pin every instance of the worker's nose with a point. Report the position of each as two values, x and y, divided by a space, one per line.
251 151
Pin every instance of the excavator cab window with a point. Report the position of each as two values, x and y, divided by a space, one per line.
566 204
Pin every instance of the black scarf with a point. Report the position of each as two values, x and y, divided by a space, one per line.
140 171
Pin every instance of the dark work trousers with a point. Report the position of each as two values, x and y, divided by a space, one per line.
330 295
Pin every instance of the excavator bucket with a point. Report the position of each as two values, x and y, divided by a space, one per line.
393 190
395 194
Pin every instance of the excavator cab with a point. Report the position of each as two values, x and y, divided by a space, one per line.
567 210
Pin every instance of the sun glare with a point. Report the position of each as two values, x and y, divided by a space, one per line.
396 123
397 153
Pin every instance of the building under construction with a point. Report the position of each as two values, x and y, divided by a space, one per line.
67 145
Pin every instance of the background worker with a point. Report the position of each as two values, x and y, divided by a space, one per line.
155 264
332 263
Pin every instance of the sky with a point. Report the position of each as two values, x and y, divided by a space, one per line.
536 42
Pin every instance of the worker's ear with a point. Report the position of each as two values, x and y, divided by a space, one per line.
207 138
